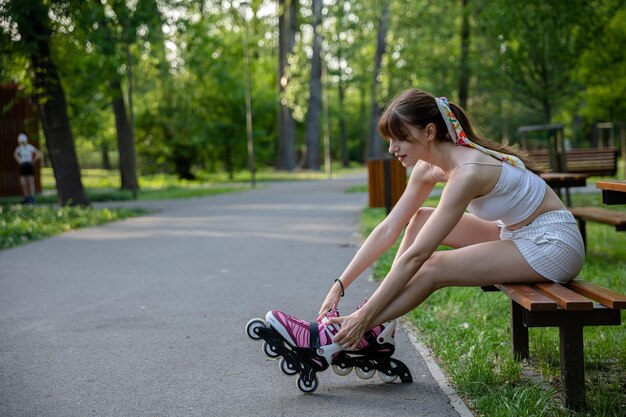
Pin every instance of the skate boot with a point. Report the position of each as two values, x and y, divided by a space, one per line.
372 354
333 312
307 348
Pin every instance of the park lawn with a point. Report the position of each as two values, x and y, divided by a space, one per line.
22 224
110 179
104 185
468 332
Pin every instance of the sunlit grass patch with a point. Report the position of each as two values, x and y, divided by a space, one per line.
23 224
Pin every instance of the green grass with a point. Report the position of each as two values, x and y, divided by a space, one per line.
101 178
23 224
104 185
468 331
106 194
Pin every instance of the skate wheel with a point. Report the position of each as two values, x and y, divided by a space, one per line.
307 386
287 368
365 373
342 370
252 328
270 350
387 378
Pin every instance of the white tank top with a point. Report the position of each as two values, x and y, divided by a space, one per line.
516 195
25 153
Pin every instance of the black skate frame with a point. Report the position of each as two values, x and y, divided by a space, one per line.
307 362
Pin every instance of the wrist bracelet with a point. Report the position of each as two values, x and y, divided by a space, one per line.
341 284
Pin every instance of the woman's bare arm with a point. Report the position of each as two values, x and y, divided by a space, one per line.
386 233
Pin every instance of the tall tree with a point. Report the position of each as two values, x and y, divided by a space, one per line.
114 30
538 44
314 108
464 75
287 28
348 51
341 93
35 34
375 144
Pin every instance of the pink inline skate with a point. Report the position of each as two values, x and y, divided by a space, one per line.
307 348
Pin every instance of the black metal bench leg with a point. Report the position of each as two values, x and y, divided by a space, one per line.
572 366
519 332
582 226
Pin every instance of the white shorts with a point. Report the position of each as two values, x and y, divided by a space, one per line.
551 244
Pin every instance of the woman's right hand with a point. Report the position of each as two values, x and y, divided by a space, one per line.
332 299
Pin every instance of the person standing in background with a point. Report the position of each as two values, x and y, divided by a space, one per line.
26 155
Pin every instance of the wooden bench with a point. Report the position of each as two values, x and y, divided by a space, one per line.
590 161
598 215
569 307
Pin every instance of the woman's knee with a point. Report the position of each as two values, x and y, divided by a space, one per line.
422 278
429 272
419 218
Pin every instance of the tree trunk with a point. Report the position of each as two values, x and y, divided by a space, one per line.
313 115
125 138
341 93
287 27
52 107
228 160
345 153
465 39
104 151
363 129
375 143
131 170
547 110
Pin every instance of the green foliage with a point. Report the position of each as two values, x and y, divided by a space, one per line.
529 61
22 224
536 46
602 68
423 55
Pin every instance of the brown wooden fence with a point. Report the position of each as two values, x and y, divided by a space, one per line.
17 115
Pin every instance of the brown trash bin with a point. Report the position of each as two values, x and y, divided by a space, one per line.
386 182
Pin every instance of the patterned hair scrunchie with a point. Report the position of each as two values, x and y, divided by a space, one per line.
458 136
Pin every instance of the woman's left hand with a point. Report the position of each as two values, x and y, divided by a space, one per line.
353 327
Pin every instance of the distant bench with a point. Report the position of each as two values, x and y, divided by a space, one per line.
591 161
588 161
569 307
598 215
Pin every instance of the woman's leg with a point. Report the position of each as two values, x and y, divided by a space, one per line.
31 185
469 231
24 184
481 264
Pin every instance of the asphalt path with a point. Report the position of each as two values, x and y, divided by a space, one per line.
146 316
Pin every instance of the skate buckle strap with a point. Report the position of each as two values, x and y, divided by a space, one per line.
314 335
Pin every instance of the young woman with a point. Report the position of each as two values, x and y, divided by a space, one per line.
26 155
517 231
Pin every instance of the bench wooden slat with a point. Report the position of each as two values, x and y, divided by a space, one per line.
565 298
599 161
599 294
612 185
528 297
600 215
